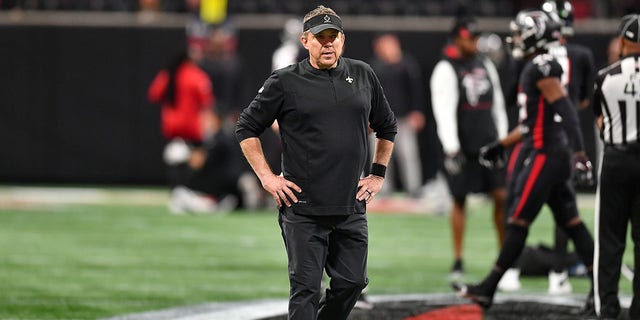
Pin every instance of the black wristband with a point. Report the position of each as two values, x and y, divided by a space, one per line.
378 169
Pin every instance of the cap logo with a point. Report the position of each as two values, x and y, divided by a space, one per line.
629 34
322 22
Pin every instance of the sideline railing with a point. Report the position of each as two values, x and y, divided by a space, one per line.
269 21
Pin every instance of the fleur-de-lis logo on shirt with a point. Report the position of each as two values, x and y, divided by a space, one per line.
349 79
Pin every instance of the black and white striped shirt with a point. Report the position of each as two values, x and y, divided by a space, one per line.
617 98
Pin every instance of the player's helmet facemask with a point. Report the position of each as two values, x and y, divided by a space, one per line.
533 31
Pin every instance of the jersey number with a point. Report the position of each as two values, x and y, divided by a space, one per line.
630 88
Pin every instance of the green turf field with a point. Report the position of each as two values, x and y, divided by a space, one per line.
74 260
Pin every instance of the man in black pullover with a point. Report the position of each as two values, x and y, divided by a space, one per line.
324 106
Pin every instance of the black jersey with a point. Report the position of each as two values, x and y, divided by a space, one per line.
467 103
476 125
539 121
323 117
578 70
617 98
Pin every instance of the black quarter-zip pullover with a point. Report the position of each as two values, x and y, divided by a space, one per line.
323 117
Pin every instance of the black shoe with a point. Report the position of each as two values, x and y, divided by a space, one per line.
457 270
473 292
588 311
363 303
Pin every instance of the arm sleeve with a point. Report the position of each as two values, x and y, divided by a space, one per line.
570 122
262 111
381 119
158 87
444 100
563 106
499 111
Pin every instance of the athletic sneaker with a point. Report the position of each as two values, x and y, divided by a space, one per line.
559 282
474 292
510 281
457 270
184 200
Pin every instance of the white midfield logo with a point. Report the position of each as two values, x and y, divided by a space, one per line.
349 79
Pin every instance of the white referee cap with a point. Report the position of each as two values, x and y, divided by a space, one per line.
630 27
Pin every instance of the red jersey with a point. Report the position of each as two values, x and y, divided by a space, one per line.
193 95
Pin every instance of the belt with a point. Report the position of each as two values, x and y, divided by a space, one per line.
628 148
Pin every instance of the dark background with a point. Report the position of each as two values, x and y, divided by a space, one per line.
73 105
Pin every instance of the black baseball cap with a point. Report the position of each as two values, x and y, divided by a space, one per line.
630 27
323 22
466 28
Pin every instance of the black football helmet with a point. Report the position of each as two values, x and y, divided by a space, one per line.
533 31
564 11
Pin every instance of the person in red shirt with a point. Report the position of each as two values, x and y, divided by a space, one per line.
186 97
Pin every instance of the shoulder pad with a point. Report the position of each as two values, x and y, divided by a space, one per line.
544 63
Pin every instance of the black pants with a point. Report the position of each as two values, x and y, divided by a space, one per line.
619 198
536 178
337 244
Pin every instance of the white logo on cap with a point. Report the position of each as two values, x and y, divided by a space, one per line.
630 34
327 19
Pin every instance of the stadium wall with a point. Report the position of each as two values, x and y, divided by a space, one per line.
73 105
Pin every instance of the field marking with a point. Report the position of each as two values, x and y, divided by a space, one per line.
260 309
26 197
17 197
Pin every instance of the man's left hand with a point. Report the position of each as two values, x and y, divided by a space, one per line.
368 187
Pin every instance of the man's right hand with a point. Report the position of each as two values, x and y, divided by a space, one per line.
492 155
281 189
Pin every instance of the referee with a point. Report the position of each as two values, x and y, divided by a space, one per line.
617 106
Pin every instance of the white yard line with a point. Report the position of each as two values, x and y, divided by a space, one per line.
260 309
20 197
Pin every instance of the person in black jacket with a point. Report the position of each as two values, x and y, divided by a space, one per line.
400 76
468 106
324 106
